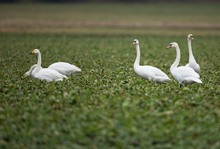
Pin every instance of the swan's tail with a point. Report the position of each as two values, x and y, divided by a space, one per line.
190 80
77 69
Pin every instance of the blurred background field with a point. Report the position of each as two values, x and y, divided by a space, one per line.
125 18
107 105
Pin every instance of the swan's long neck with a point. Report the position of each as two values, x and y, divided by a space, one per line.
38 66
31 70
191 57
176 62
39 60
137 61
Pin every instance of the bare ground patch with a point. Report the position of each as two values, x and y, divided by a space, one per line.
20 25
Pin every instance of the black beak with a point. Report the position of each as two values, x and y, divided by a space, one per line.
169 46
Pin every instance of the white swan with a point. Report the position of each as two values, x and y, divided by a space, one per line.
44 73
192 62
64 68
148 72
61 67
183 74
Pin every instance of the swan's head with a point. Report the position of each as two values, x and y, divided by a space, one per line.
172 45
190 37
35 51
29 72
135 42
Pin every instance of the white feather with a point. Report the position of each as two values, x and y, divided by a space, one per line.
64 68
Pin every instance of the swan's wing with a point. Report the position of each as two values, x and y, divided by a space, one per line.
189 80
152 73
157 71
184 72
159 75
58 64
54 73
144 72
49 75
44 75
64 68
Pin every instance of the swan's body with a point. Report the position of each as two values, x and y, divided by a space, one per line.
49 75
148 72
64 68
183 74
192 62
44 73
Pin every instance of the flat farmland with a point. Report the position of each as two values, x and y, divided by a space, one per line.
109 18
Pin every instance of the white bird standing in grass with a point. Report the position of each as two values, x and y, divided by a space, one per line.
44 73
192 62
148 72
183 74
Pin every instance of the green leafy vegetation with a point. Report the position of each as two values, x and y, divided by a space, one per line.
107 104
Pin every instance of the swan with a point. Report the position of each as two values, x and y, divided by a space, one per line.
47 74
64 68
183 74
61 67
192 62
148 72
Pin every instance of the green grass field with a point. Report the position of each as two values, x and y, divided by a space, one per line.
107 105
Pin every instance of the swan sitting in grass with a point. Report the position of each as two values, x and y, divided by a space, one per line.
148 72
192 62
44 73
183 74
61 67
